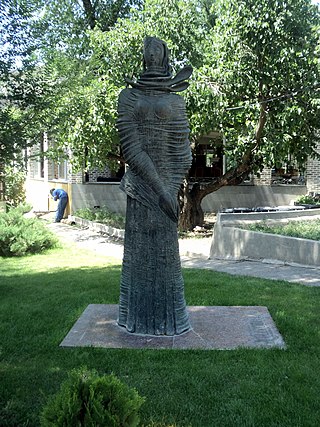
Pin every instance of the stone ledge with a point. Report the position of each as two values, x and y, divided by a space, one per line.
283 214
96 226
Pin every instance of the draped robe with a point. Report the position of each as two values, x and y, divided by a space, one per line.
153 132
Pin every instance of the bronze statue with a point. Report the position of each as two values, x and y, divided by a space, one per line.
153 130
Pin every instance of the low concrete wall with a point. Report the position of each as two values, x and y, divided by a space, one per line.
251 196
99 194
286 215
110 195
96 226
230 242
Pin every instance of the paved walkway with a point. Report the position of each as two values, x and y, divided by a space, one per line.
194 254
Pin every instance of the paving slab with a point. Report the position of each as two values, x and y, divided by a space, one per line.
213 328
307 276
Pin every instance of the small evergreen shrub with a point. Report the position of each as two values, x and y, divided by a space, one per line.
89 400
308 200
102 215
15 413
20 236
22 208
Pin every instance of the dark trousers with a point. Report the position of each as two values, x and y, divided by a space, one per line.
61 208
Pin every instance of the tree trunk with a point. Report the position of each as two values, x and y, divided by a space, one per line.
2 183
90 13
191 211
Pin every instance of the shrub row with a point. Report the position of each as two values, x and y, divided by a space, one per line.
308 200
102 215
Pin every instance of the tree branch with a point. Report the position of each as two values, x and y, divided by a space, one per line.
261 123
90 13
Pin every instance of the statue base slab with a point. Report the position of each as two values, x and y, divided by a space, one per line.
213 328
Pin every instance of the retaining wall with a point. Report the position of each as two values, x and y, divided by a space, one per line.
231 242
99 194
110 195
251 196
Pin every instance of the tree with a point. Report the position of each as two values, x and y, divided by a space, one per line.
261 86
45 66
91 102
255 80
43 59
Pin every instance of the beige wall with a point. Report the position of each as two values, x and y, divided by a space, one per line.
66 187
37 194
99 194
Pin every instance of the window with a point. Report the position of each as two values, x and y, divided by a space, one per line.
38 161
208 161
60 170
288 173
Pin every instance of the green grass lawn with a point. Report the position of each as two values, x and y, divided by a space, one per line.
41 296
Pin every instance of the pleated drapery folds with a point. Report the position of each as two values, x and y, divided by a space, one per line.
153 131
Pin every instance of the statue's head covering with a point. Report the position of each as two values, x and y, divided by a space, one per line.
164 69
158 77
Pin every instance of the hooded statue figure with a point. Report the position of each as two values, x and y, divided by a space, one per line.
153 130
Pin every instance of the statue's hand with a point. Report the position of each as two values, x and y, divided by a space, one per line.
169 206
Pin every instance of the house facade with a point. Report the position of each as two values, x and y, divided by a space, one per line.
85 189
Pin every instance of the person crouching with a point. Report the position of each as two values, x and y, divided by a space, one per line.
62 196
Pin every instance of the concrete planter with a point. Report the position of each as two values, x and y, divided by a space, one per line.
231 242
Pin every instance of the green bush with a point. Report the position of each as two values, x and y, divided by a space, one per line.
308 200
22 208
87 399
20 236
86 213
102 215
14 186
